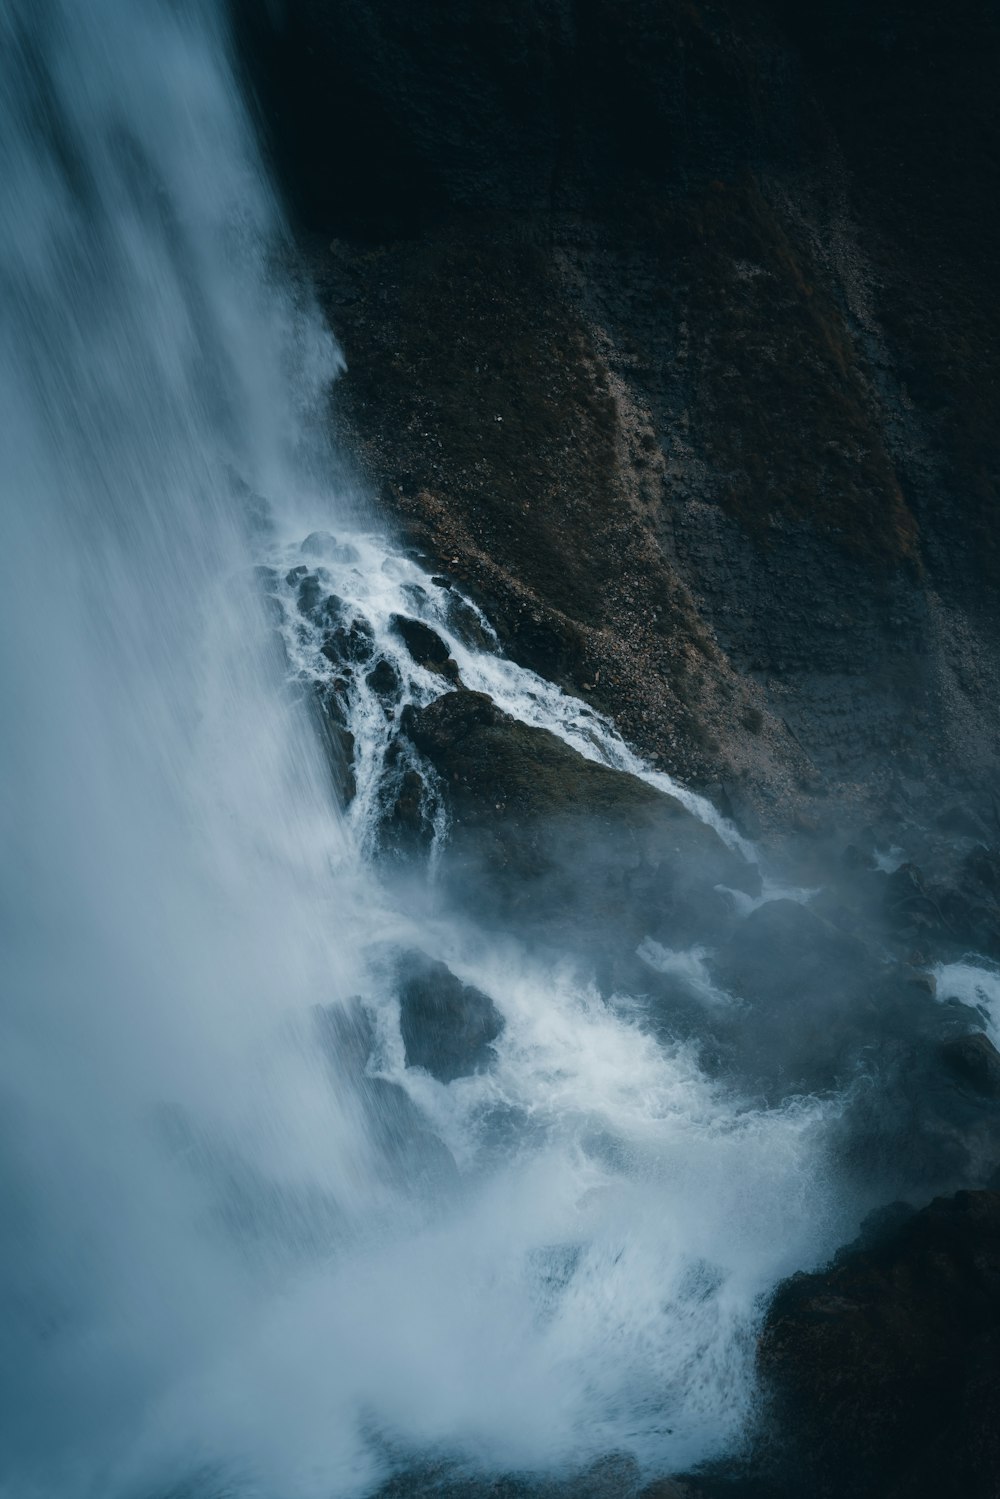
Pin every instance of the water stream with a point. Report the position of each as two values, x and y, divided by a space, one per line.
217 1275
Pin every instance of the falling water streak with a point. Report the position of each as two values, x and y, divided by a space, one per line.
209 1265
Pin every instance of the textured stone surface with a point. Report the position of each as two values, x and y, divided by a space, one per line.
671 332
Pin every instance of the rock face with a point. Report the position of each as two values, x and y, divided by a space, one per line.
882 1369
671 332
426 647
975 1061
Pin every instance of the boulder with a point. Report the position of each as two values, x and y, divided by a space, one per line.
424 645
448 1027
383 679
975 1061
327 548
956 902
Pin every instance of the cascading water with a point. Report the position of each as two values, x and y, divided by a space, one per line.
221 1270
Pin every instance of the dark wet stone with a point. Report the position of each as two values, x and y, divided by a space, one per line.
464 620
424 645
310 594
963 822
815 994
265 577
881 1370
383 678
975 1061
346 1034
350 641
330 713
447 1026
957 903
407 827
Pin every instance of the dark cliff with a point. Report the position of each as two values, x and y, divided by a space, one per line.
670 330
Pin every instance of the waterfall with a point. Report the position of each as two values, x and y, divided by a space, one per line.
222 1271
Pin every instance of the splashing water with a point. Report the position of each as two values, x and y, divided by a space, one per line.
215 1273
975 981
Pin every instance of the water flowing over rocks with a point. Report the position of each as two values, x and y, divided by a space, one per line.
570 851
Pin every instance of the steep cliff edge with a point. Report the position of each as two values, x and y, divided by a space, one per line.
671 332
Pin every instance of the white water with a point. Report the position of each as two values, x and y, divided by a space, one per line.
975 981
211 1274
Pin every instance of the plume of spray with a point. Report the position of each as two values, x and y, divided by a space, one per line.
208 1266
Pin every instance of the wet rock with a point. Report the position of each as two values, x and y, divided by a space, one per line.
522 352
411 1149
881 1370
407 825
970 904
262 584
424 645
975 1061
956 902
447 1026
564 848
266 578
309 594
963 822
464 620
920 981
346 1034
784 953
350 640
383 678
